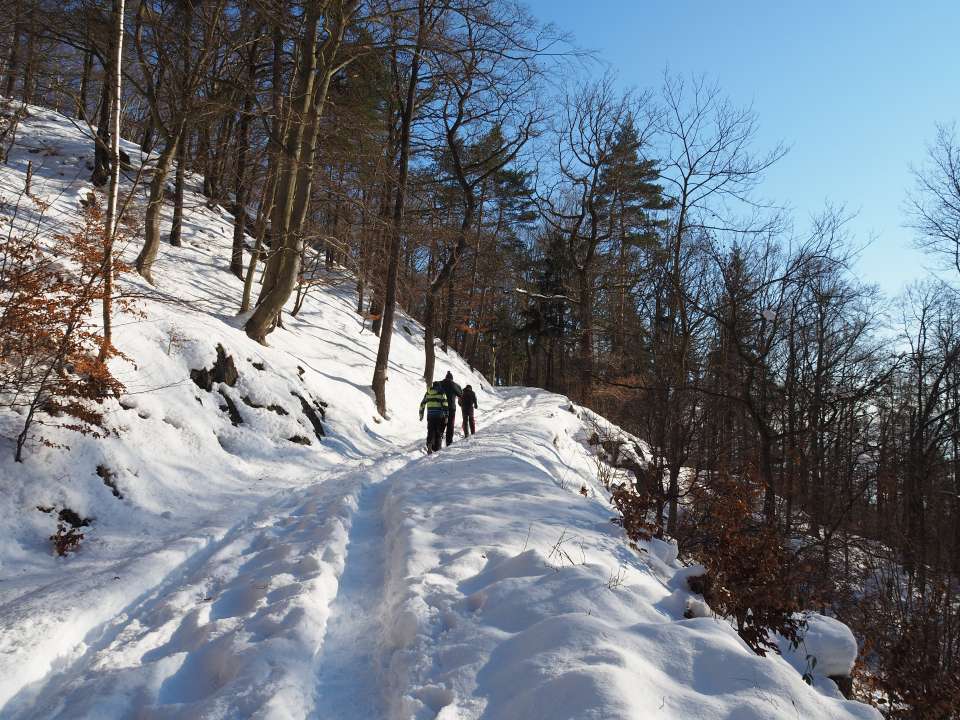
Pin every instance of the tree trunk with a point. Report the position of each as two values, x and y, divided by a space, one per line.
84 85
30 67
472 321
448 314
267 201
148 254
393 256
101 152
13 56
295 174
475 335
382 241
673 497
241 191
586 335
215 161
266 207
443 276
176 226
111 219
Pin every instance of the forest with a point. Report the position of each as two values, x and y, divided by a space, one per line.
477 169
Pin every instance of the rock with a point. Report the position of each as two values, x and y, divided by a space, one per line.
231 409
109 478
224 370
700 584
696 608
72 518
311 413
832 644
844 684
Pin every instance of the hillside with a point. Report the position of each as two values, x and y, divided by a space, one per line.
265 566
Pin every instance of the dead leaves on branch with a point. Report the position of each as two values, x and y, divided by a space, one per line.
48 354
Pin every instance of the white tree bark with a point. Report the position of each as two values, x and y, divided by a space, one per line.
114 191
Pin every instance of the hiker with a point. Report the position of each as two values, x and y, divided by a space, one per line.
436 404
468 401
451 390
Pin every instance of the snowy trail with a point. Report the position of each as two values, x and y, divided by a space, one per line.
485 582
349 675
235 630
280 616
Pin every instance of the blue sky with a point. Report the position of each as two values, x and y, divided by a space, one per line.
854 88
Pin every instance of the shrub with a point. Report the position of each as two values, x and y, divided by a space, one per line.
752 578
635 506
68 536
48 354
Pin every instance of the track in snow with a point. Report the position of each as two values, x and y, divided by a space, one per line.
236 631
349 677
281 617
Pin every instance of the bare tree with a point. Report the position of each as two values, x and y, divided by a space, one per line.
322 32
427 17
710 173
110 222
935 202
488 112
593 116
170 73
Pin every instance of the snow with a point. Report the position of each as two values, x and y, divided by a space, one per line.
513 596
243 575
827 641
187 475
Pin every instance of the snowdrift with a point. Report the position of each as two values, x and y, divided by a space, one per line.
245 573
512 595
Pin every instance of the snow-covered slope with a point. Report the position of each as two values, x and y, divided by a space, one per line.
243 574
185 472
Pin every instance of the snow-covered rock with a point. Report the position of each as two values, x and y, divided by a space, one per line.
831 643
827 648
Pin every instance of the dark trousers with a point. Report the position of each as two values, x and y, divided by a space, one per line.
468 426
451 421
435 426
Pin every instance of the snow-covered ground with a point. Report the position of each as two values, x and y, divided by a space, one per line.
243 574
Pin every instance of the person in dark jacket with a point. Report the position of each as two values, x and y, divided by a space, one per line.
468 401
437 407
452 391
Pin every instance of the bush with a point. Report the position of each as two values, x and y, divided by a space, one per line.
637 511
49 364
68 536
752 578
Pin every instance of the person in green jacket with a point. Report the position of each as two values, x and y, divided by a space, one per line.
437 408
